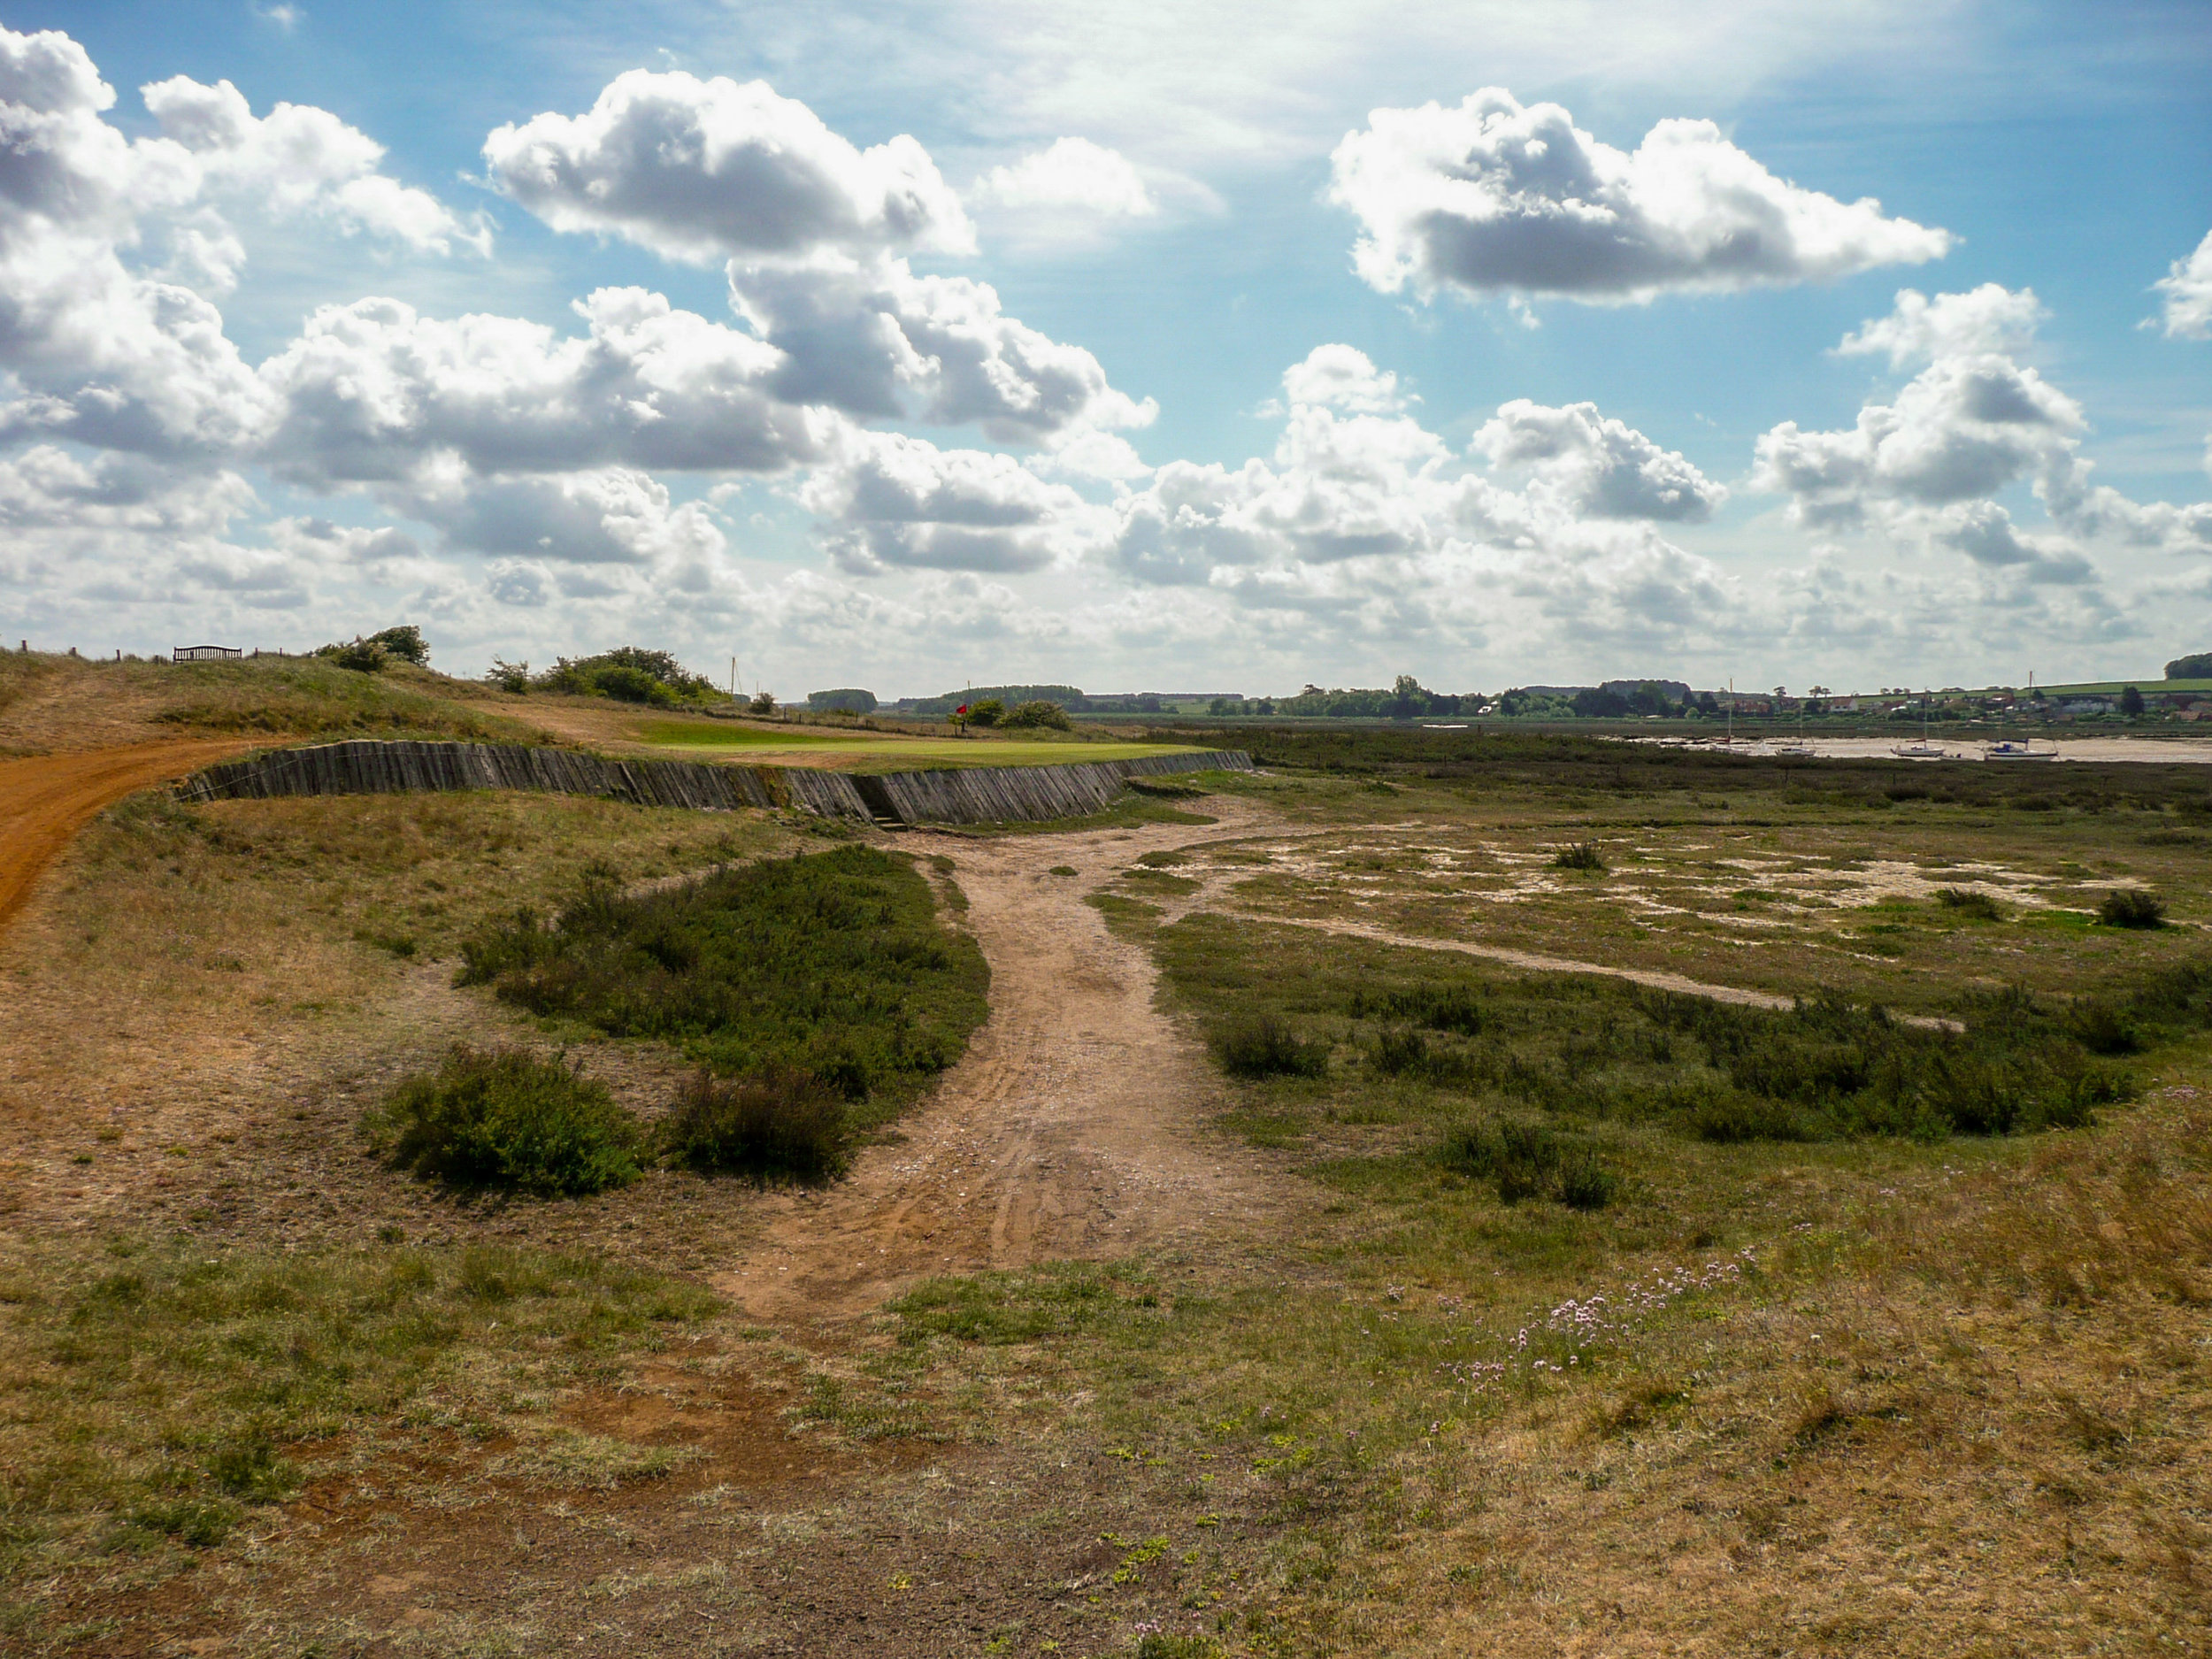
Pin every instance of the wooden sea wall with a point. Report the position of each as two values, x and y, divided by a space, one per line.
980 794
1027 795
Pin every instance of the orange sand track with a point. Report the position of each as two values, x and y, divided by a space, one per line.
45 801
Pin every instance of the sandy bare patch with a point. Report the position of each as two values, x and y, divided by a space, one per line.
46 800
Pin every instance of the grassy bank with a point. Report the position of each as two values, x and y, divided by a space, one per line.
155 1398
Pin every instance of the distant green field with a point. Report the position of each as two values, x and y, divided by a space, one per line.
721 735
880 751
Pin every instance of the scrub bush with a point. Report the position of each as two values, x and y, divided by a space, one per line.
832 962
2131 907
509 1119
779 1124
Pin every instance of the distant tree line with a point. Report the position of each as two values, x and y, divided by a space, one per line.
1407 698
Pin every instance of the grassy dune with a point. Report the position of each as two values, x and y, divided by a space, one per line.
1575 1317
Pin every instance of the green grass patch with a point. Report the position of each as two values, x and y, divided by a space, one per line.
1527 1160
1968 905
831 964
1583 1049
996 1309
153 1394
737 735
1580 856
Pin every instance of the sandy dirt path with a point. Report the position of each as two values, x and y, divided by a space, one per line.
1070 1131
46 800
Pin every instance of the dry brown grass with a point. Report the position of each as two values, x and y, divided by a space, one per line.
199 980
1969 1421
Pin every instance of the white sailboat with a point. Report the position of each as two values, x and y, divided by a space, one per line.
1800 748
1922 749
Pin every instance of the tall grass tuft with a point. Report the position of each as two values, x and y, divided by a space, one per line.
1580 856
779 1124
1267 1047
1524 1160
509 1119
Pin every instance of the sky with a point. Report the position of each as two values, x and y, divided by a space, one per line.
1119 345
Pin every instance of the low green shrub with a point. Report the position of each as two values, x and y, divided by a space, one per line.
1437 1007
2103 1029
363 657
1579 856
509 1119
1049 715
629 673
1827 1067
779 1124
1267 1047
1725 1117
1397 1052
1524 1160
624 684
1585 1183
1967 903
2131 907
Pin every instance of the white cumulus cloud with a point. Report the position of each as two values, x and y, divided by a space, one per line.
1491 197
1964 428
1071 173
1547 503
1343 377
708 170
894 501
1989 319
2187 312
300 159
1598 467
1925 467
599 516
878 341
375 391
